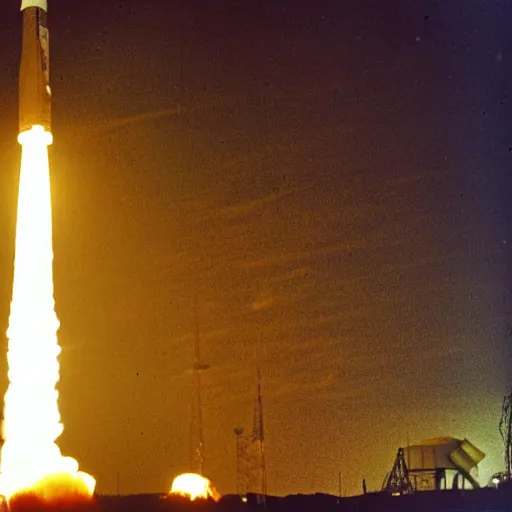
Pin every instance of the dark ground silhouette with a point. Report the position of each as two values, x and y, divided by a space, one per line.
482 500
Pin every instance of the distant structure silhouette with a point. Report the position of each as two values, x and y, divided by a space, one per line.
243 462
259 437
196 413
435 464
505 428
398 479
250 454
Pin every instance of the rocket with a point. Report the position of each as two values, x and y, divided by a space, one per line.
34 77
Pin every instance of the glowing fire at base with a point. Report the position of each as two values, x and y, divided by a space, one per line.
31 461
194 486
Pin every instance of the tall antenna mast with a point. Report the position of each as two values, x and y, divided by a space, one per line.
505 426
196 416
259 437
506 432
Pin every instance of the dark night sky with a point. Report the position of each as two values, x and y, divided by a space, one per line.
336 192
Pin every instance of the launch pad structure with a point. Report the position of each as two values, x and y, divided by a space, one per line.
434 465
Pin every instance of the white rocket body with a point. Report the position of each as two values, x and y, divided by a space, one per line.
34 77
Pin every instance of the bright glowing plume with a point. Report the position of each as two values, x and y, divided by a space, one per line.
194 486
31 460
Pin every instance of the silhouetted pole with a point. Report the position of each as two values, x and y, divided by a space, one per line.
505 428
259 437
238 433
196 417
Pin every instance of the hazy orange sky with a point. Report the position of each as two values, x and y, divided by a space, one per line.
335 192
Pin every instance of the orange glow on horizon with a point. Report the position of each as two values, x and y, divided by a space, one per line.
194 486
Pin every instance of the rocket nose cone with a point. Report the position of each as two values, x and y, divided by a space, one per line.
41 4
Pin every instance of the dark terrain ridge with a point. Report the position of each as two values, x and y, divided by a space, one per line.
481 500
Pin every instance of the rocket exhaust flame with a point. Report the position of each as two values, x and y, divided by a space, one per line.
31 461
32 467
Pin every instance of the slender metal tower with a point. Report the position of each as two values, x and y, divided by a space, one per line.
505 425
259 437
241 478
506 432
196 415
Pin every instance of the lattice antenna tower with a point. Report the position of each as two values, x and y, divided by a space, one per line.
259 436
196 416
242 461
